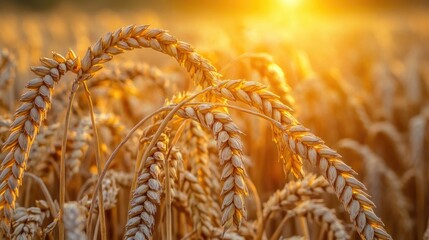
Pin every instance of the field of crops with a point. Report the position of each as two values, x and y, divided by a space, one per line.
169 125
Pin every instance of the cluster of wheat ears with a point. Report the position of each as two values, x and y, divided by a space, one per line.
94 168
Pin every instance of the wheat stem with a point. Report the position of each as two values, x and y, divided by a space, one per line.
62 191
45 191
99 163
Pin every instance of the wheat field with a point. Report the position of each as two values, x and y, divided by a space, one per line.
156 124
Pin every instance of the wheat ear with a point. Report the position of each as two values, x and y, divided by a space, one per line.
301 142
197 141
147 196
41 150
230 149
128 38
109 189
295 192
387 184
27 222
395 141
323 215
74 218
204 215
131 72
4 127
7 76
268 69
28 119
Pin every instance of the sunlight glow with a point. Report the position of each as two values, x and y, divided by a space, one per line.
290 3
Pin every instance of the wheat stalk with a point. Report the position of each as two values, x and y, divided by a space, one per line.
418 126
426 236
202 167
204 211
79 141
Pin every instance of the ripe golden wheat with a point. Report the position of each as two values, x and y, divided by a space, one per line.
186 174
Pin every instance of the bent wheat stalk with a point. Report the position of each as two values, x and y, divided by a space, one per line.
301 142
128 38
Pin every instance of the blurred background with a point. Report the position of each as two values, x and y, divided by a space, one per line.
358 71
224 4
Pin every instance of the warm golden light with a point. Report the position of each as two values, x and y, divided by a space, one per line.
290 3
236 119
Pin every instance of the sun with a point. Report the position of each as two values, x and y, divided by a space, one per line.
290 3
